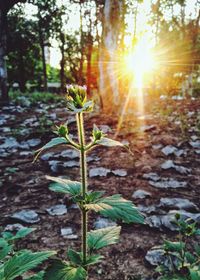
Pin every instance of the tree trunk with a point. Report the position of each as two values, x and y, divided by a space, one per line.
108 68
62 63
89 57
44 67
80 81
4 98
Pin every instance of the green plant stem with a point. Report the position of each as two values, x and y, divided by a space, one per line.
83 169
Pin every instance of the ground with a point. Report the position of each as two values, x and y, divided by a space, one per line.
167 132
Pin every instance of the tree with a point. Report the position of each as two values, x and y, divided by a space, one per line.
108 68
5 6
24 50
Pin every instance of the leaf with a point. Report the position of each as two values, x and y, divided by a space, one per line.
107 142
65 186
64 271
38 276
100 238
23 261
117 208
194 274
54 142
93 259
20 234
5 248
174 246
75 257
190 258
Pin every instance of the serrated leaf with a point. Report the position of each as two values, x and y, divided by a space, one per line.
75 257
38 276
54 142
20 234
65 186
93 259
64 271
195 273
117 208
23 261
174 246
190 258
5 248
107 142
100 238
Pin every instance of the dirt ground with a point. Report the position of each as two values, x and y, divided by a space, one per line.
23 184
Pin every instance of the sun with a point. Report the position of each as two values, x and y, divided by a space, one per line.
141 60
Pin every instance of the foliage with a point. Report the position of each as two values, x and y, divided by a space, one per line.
114 207
17 263
182 256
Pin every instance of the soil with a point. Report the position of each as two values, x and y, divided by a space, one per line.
167 122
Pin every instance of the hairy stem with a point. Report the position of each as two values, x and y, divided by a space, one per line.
83 170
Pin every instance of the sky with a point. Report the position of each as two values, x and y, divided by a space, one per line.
73 23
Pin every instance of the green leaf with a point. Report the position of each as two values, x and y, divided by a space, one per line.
75 257
100 238
23 261
195 273
107 142
190 258
20 234
117 208
38 276
65 186
87 107
93 259
5 248
174 246
54 142
64 271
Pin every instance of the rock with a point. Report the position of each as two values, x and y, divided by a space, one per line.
47 156
168 183
71 163
92 158
34 142
195 144
14 227
141 194
67 233
155 256
170 164
27 216
146 209
152 176
146 128
26 153
194 137
9 143
167 221
71 154
120 172
55 165
99 171
197 152
103 223
157 147
168 150
177 203
57 210
105 128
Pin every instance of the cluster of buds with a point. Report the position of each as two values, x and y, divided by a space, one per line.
77 99
62 130
97 134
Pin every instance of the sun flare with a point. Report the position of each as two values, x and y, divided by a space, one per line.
140 61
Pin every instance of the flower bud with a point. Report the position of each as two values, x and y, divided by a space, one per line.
62 131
